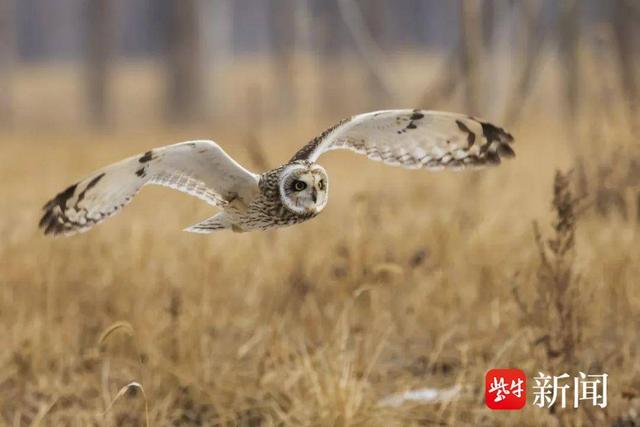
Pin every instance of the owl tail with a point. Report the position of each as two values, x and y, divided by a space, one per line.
219 221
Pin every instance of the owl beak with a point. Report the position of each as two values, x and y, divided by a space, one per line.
314 195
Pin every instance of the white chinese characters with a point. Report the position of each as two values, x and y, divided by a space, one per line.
553 390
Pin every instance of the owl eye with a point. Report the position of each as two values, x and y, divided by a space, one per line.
321 184
299 185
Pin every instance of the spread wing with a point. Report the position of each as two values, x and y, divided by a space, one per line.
417 139
199 168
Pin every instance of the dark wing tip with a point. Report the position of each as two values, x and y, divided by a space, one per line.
495 134
505 150
50 224
493 158
498 143
53 219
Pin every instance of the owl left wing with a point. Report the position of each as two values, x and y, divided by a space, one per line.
417 139
199 168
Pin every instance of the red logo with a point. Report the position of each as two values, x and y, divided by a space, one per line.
505 389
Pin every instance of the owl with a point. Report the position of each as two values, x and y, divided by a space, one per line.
289 194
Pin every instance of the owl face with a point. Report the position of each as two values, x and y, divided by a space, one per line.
304 188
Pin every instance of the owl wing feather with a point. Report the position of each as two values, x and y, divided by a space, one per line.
199 168
416 139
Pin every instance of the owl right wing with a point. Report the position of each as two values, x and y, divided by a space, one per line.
415 139
199 168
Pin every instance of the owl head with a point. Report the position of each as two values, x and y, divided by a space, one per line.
304 188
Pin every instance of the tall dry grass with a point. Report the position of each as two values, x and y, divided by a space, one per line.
405 281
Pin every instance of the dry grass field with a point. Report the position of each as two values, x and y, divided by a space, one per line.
407 280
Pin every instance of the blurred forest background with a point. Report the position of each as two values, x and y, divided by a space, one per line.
407 281
120 63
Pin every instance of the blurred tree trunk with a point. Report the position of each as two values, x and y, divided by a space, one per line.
367 26
7 57
470 21
281 22
375 19
99 55
184 62
305 66
216 44
623 27
488 19
329 39
282 30
532 21
569 38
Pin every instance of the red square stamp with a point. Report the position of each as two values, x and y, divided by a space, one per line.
505 389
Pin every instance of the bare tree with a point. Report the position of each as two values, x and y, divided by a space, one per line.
305 39
569 37
470 21
378 78
216 24
488 20
184 62
366 25
7 52
623 26
282 30
100 45
329 40
535 29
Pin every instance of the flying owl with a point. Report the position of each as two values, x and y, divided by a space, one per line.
289 194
